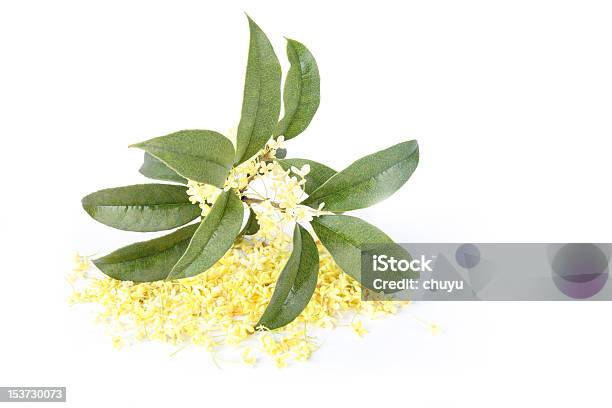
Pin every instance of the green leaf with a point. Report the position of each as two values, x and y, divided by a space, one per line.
319 173
368 180
301 93
214 237
201 155
345 237
142 207
155 169
296 283
261 101
252 226
149 260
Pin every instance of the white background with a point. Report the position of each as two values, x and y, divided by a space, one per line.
510 102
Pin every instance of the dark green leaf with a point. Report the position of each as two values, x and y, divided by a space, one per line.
301 93
296 283
142 207
368 180
214 237
261 101
319 173
155 169
149 260
201 155
252 226
345 237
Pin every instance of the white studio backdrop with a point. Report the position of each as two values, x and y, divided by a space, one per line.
510 103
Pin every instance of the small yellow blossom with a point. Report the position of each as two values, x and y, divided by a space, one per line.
302 350
118 342
358 328
301 172
278 143
202 194
248 358
280 361
81 266
236 333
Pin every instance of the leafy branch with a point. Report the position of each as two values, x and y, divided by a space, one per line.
207 162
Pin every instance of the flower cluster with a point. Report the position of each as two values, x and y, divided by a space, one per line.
273 192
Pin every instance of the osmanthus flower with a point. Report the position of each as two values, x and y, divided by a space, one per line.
249 189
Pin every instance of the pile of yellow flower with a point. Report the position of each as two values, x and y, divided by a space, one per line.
220 307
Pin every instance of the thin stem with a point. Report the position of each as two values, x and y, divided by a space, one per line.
250 201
